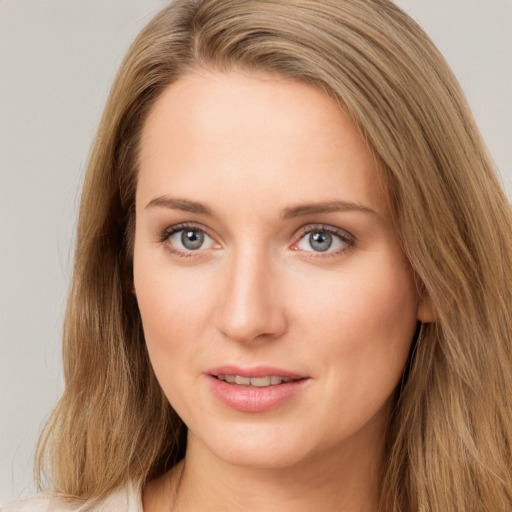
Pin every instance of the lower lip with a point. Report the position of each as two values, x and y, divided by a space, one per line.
253 398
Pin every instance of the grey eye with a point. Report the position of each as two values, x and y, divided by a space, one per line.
192 239
320 241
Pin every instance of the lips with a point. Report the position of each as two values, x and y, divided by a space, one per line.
260 382
254 372
256 389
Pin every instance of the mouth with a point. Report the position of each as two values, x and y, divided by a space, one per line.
255 389
259 382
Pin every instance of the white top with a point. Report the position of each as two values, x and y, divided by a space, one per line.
125 499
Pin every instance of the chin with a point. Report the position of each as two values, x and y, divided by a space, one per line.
258 447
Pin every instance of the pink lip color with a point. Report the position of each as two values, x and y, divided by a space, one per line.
252 398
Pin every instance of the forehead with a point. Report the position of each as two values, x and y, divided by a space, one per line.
254 135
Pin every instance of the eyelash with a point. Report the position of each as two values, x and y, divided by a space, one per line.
346 238
167 233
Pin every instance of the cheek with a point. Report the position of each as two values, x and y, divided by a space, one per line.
363 322
175 306
382 310
170 307
375 296
173 313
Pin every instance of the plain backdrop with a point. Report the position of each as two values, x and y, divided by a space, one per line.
57 61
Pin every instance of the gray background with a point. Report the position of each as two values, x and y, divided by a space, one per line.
57 60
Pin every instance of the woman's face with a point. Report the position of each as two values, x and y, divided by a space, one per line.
277 306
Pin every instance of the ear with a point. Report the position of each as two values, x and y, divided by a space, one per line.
134 292
426 311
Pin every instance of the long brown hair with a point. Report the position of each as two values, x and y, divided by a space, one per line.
450 436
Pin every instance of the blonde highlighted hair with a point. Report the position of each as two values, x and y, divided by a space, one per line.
450 436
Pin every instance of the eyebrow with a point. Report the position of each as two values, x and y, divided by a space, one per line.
288 213
324 207
180 204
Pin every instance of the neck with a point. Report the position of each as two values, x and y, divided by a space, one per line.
345 479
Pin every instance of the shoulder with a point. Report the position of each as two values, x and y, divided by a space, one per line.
124 499
40 503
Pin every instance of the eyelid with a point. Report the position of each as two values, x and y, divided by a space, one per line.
346 237
169 231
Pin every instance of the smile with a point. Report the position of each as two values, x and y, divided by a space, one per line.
255 389
259 382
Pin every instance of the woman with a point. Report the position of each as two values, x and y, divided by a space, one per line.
293 242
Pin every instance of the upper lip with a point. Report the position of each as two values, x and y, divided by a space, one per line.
254 372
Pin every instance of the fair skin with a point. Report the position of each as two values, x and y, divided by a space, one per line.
264 247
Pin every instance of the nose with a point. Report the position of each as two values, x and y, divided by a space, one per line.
251 307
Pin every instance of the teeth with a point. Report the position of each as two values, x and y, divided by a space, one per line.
244 381
259 382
